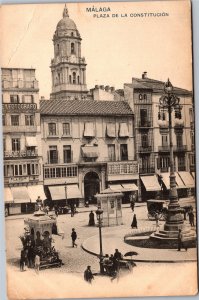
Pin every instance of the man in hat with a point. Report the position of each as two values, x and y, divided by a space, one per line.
74 237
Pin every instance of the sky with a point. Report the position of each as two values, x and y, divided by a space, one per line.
116 48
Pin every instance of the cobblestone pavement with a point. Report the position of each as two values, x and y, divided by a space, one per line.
76 259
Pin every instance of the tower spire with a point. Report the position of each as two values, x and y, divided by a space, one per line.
65 12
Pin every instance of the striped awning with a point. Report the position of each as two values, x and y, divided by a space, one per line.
166 180
151 183
20 194
8 198
130 187
187 179
117 188
35 191
61 192
90 151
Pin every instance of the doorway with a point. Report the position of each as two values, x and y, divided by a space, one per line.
91 187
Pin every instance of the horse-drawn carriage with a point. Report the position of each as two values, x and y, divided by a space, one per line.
157 208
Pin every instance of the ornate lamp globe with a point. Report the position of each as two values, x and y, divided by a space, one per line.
168 87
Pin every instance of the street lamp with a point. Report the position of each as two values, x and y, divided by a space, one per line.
65 187
99 213
170 102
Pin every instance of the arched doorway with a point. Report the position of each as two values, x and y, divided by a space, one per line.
91 186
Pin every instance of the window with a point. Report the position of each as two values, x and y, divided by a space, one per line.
123 152
52 128
14 99
164 163
78 79
74 77
143 117
60 172
18 170
27 99
145 96
111 152
164 140
32 169
4 144
144 139
191 115
3 120
15 120
15 144
179 141
53 155
72 48
67 154
140 97
181 163
72 34
29 120
70 80
66 128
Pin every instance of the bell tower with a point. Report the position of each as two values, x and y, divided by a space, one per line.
68 67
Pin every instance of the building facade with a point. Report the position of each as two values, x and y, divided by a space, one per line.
87 147
152 136
23 173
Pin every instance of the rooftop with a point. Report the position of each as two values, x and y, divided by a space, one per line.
85 107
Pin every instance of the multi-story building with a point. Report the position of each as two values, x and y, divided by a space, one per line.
88 146
23 174
152 136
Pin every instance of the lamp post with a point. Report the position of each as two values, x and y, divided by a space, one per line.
99 213
170 102
65 187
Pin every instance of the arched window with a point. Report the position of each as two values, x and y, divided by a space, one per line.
72 48
78 79
74 77
70 81
57 48
72 34
140 97
145 96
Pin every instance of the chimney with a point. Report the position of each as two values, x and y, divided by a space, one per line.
144 75
112 89
42 98
107 88
96 87
102 87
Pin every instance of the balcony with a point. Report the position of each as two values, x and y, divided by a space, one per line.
180 148
21 128
144 124
20 154
20 84
144 149
122 170
164 148
19 107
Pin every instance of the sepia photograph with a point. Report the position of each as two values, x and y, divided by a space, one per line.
98 150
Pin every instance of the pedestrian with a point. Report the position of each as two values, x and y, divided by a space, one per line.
180 241
157 220
88 275
22 260
37 263
72 210
191 218
134 222
132 201
91 219
74 237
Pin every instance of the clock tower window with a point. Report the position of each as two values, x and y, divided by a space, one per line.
70 81
78 79
72 48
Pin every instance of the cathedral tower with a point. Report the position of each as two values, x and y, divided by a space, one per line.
68 68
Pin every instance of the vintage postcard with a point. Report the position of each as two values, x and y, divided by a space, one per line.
98 149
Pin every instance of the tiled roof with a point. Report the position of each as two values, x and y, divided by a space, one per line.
84 107
155 85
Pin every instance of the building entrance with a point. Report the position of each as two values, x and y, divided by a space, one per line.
91 186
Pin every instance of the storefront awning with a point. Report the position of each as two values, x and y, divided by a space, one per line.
151 183
31 141
8 198
166 180
124 131
193 174
117 188
89 129
90 151
60 193
110 130
187 179
36 190
20 194
130 187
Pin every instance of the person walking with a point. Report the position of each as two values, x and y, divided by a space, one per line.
134 222
74 237
91 219
22 261
191 218
180 241
88 275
